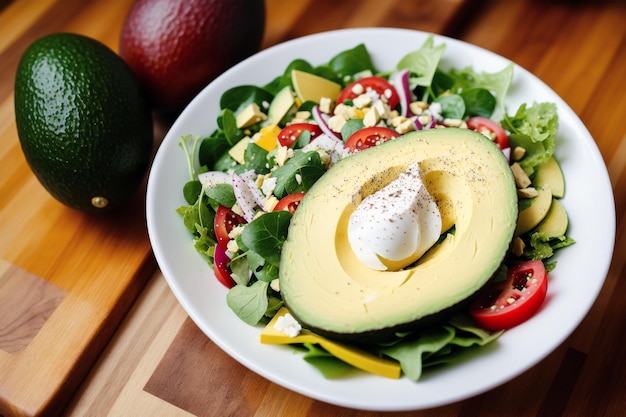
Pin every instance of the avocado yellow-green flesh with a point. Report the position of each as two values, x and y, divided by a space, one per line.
327 289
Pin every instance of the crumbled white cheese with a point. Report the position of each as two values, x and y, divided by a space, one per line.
288 325
325 105
362 101
268 185
283 153
372 117
336 123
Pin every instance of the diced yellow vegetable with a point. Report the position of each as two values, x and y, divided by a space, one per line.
267 137
355 357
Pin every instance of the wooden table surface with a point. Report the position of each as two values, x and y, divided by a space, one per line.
88 326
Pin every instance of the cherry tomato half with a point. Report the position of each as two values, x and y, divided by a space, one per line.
221 268
368 137
225 221
507 303
489 128
378 84
290 133
289 202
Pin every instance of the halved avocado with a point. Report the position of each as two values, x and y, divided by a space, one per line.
329 291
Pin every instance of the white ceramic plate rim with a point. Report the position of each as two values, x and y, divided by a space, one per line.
574 285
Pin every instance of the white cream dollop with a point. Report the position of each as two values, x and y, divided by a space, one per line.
396 225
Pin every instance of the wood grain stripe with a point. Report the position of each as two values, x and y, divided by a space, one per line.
26 302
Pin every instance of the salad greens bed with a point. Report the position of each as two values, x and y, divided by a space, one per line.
254 248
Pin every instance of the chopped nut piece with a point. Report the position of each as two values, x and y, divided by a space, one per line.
517 246
518 153
303 115
521 179
453 122
397 121
405 127
417 107
528 192
336 123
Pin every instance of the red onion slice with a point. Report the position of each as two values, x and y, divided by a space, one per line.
319 117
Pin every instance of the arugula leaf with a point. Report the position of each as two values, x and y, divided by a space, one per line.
423 63
186 142
410 353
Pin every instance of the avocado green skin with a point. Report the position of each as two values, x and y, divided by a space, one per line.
83 123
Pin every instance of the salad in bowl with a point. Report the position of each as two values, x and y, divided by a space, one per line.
395 213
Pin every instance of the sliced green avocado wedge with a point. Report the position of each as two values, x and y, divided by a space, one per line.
330 292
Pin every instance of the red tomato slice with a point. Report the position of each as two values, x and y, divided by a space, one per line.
289 134
378 84
489 128
368 137
510 302
221 268
225 220
289 202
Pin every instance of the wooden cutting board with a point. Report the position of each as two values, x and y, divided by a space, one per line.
67 278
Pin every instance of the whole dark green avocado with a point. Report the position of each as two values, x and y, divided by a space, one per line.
83 122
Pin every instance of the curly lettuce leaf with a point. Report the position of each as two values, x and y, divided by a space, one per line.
534 129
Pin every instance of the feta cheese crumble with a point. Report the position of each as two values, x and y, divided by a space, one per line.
288 325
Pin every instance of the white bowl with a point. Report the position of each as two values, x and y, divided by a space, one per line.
574 284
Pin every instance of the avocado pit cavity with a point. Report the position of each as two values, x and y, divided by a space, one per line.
394 226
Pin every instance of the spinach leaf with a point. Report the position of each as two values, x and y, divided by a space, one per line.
266 234
350 127
238 98
191 191
298 174
284 80
227 121
249 302
497 82
222 194
352 61
478 102
212 147
452 106
255 158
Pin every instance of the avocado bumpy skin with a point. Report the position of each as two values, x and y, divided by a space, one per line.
329 291
83 122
